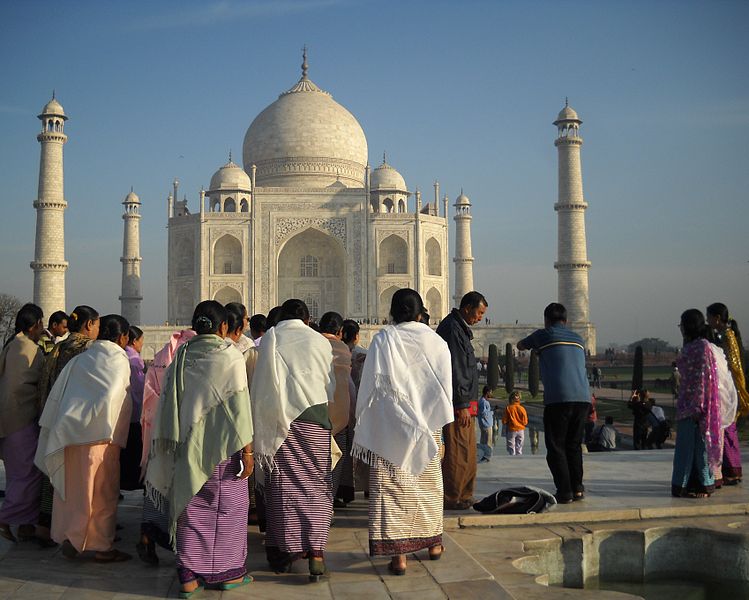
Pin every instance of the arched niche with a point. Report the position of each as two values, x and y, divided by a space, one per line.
387 205
393 256
401 206
184 258
386 298
227 294
312 266
227 256
230 205
433 257
244 206
433 303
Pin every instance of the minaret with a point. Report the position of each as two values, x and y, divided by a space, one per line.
572 255
49 264
463 258
131 297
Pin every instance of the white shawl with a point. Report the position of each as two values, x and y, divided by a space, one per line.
294 371
89 400
729 398
405 396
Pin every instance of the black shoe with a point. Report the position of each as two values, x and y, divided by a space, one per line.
147 553
563 499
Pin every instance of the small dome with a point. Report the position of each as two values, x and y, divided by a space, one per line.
462 200
53 107
567 114
385 177
231 177
131 198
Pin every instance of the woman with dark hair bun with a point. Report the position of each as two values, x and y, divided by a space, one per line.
202 454
728 338
83 327
84 427
405 399
131 455
21 363
698 428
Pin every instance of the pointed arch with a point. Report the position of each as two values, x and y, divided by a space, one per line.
433 257
386 298
227 294
230 205
393 256
433 303
227 256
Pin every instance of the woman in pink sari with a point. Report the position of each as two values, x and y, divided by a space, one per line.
154 527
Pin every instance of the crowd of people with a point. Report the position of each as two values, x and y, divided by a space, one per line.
279 427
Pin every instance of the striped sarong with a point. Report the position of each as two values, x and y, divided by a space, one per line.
731 453
341 438
298 498
155 524
405 512
212 530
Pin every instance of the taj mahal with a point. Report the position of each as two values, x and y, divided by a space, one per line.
306 216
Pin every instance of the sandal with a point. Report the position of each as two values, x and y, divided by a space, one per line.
231 586
436 555
68 551
185 595
317 569
112 556
396 570
7 533
147 553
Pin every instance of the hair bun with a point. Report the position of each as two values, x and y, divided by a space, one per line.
204 322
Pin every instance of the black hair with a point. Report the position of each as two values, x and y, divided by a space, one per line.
555 313
57 317
331 322
258 323
113 327
473 300
28 316
486 390
406 305
350 331
294 308
81 315
314 326
235 313
609 420
720 310
134 334
273 317
208 317
693 325
425 316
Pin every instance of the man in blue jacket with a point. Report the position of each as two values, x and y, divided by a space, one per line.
561 354
459 464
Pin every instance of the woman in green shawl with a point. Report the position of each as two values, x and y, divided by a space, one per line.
201 455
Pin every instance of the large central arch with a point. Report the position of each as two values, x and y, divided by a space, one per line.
312 266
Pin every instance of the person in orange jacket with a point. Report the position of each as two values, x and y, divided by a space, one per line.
516 419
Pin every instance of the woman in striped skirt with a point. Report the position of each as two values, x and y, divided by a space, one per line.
291 387
201 455
405 398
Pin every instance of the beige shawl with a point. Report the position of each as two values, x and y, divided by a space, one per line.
340 404
21 363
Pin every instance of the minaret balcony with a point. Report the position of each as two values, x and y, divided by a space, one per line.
49 265
572 266
568 141
52 136
571 205
51 204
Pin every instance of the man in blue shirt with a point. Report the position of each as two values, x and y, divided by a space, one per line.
486 421
566 399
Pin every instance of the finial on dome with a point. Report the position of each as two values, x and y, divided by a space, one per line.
566 102
384 158
131 189
305 65
53 93
229 154
461 190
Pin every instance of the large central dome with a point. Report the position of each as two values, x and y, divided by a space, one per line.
305 139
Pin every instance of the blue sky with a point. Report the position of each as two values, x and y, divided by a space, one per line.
463 92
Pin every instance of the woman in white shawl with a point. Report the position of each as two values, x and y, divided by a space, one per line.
405 398
84 427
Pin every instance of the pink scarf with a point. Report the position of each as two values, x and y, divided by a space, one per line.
152 387
699 396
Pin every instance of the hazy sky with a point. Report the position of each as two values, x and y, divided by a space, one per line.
463 92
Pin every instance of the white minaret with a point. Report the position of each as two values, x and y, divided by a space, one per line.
572 254
131 297
463 258
49 264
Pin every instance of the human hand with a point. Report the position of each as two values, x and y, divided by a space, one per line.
248 465
463 417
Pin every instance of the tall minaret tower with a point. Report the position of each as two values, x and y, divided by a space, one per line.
49 264
131 297
572 254
463 258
